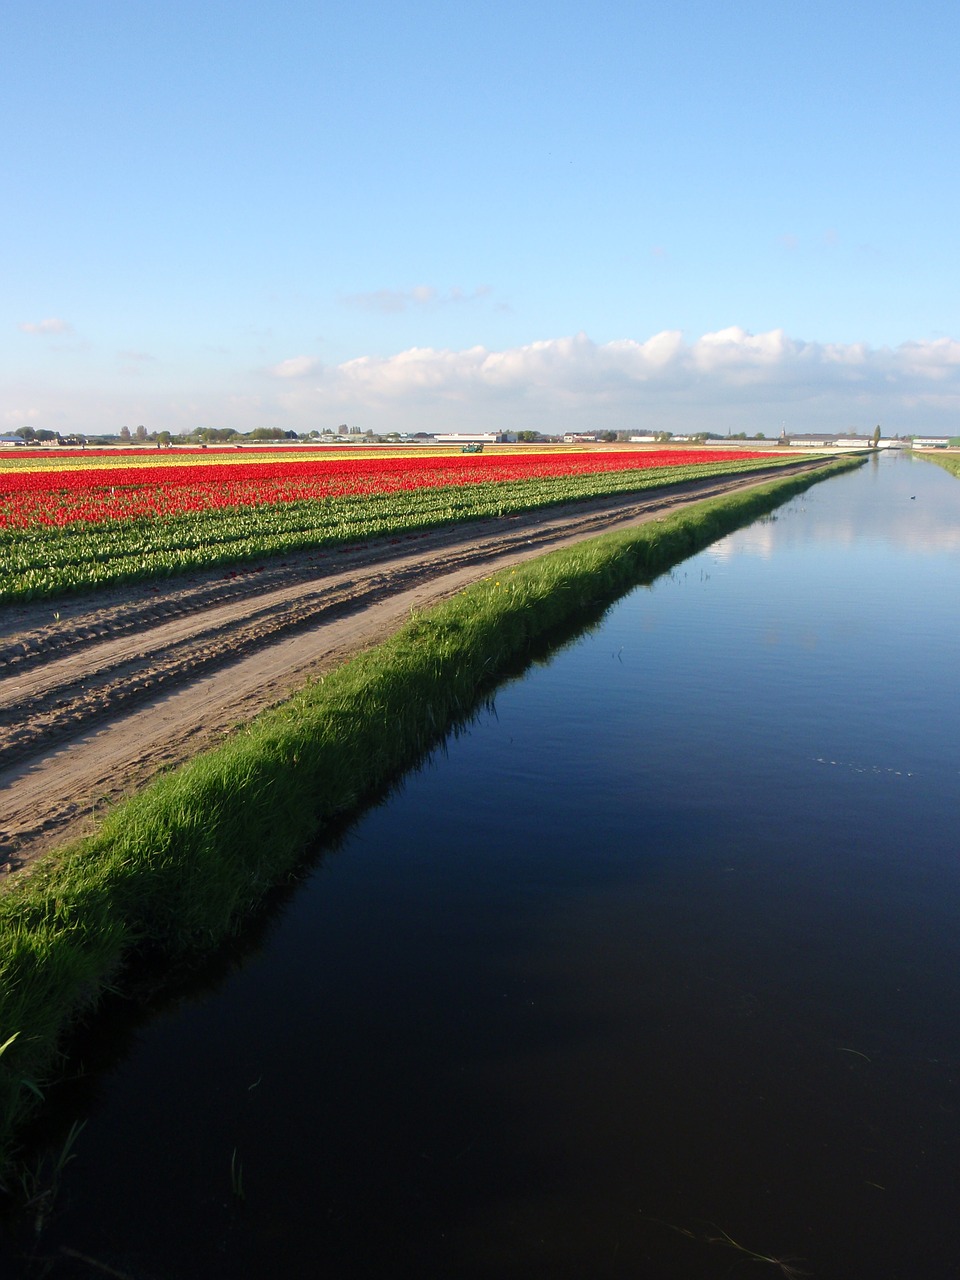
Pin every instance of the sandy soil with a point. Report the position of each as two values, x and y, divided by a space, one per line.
100 693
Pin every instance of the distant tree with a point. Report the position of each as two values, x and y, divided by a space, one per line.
125 434
608 437
25 433
760 436
140 434
528 437
210 435
876 435
164 437
663 436
45 435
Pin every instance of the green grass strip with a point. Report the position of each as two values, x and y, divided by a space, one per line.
949 461
177 868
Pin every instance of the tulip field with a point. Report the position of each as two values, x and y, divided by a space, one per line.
74 521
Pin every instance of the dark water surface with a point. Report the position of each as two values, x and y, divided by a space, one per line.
663 950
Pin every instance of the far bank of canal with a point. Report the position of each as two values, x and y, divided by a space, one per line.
655 965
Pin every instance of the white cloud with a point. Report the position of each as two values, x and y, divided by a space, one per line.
135 362
53 325
741 357
936 360
296 367
730 377
394 301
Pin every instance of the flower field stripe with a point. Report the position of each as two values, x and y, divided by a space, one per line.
61 498
47 559
95 459
12 460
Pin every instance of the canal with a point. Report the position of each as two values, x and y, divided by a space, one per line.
652 971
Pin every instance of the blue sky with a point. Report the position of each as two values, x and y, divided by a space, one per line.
554 216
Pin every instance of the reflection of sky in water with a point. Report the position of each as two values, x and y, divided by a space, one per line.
826 596
862 567
902 502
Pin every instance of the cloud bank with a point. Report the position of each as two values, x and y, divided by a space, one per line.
53 325
729 379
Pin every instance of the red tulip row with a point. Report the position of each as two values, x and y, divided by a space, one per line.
29 499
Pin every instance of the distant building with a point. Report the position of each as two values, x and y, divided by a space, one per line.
813 442
743 442
800 441
840 442
475 437
931 442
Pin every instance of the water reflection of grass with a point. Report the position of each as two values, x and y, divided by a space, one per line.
788 1266
174 871
949 461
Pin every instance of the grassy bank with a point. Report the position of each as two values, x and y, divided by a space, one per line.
949 461
176 869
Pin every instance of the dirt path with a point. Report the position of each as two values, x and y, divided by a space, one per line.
98 694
